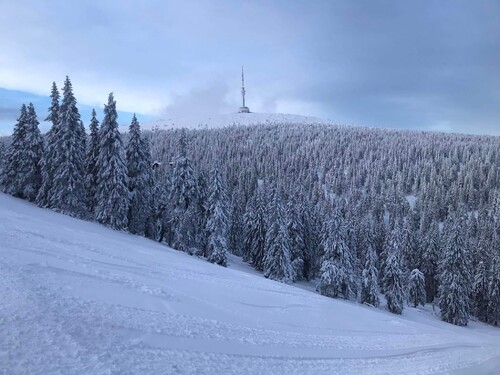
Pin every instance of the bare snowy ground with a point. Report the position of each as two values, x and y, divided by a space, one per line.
76 298
230 119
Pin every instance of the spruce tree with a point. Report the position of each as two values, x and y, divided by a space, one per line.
393 241
151 228
311 242
337 268
494 290
430 259
22 177
15 156
454 274
277 263
53 115
68 190
158 227
393 279
369 279
393 283
237 225
31 179
256 229
50 156
91 164
480 292
416 288
297 242
217 219
3 157
112 188
183 199
139 180
412 249
248 218
200 226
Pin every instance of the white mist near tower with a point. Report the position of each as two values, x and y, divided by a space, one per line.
243 108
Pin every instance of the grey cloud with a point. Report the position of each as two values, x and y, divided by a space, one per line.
387 63
209 99
8 114
401 64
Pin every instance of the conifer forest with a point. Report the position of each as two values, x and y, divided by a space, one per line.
364 213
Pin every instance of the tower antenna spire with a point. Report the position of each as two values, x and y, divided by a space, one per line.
243 85
243 108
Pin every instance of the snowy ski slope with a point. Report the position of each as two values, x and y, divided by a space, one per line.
77 298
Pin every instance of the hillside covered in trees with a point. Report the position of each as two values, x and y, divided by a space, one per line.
364 212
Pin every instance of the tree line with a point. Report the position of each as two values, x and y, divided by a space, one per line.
410 215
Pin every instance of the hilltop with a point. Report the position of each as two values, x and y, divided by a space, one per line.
231 119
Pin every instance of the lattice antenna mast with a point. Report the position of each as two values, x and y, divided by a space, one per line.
243 86
244 108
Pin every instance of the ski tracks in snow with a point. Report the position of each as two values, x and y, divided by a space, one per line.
47 332
103 302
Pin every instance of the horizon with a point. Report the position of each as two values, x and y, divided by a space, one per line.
203 123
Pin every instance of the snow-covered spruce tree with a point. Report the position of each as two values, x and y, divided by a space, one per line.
139 180
200 232
379 236
480 292
112 186
430 259
393 240
91 164
237 224
3 156
159 223
416 288
454 273
248 218
277 263
49 159
494 290
369 279
312 242
68 190
217 219
151 227
411 248
337 268
296 232
22 170
15 156
485 239
393 279
256 229
183 199
54 108
31 179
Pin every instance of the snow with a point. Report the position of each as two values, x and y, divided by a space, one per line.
411 200
230 119
77 298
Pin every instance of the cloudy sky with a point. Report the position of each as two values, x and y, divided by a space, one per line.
428 65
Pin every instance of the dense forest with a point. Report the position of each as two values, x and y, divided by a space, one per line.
412 216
